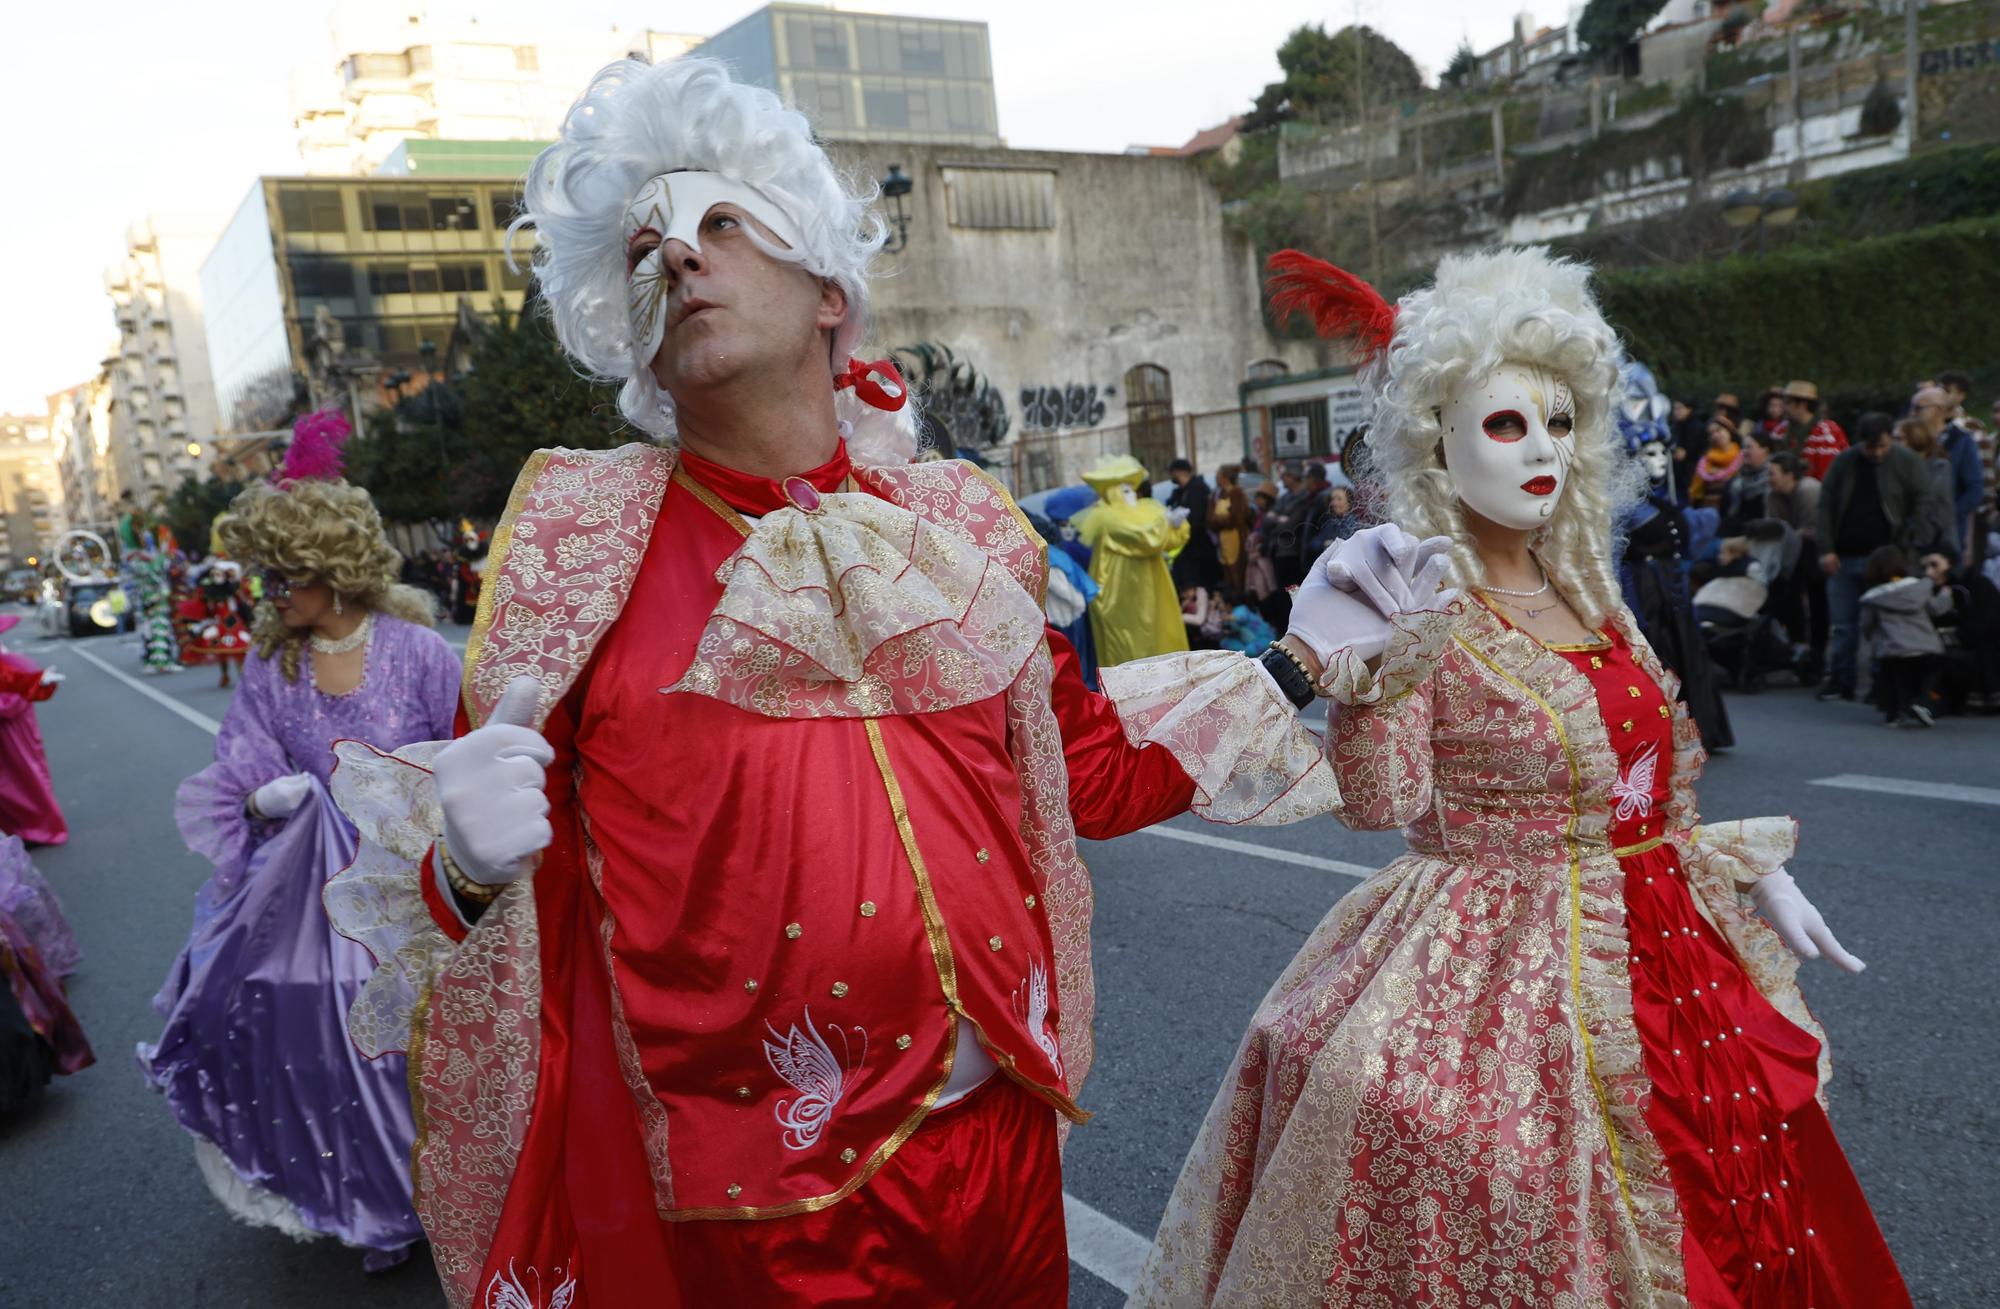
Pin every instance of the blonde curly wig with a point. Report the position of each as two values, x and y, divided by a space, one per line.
1523 307
318 531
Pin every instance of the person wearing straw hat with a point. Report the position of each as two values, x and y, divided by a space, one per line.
1816 438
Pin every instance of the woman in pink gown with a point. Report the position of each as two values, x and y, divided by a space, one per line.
28 806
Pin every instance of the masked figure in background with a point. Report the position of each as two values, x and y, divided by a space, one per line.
743 923
215 626
147 574
39 1036
293 1128
1548 1056
1137 611
468 555
1067 602
28 807
1653 571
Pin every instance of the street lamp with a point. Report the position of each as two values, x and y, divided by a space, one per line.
194 449
894 187
1778 207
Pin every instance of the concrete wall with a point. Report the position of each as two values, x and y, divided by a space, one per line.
1137 269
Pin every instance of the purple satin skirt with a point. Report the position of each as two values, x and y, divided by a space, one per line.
255 1056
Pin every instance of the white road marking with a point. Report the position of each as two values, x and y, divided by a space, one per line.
1905 786
201 720
1256 851
1104 1247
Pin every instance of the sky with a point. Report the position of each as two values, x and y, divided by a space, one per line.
116 109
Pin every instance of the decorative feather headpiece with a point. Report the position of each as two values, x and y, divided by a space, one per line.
1341 305
315 449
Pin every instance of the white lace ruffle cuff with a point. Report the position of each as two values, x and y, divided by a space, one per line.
1417 640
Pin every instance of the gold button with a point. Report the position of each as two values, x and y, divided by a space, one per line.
982 856
1595 662
867 908
793 931
734 1190
1666 712
839 990
1632 691
903 1042
847 1155
1628 724
751 986
1031 902
993 943
742 1093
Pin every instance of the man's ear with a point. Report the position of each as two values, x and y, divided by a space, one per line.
833 306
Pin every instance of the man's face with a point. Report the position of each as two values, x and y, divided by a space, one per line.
728 309
1783 482
1937 568
1755 455
1291 480
1798 410
1878 449
1929 406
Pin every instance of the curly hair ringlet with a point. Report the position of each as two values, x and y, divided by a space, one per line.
318 531
1527 308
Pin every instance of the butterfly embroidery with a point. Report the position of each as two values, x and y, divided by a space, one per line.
506 1292
807 1062
1634 790
1031 1006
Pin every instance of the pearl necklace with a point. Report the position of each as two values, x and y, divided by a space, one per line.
354 640
1525 595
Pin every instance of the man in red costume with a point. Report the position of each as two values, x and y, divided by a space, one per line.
739 942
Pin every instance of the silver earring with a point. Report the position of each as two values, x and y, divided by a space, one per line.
336 605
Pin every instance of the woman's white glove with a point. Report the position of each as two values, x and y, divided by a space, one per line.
1359 584
1797 922
282 798
489 783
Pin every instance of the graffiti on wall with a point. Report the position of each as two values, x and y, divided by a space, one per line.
956 407
1048 408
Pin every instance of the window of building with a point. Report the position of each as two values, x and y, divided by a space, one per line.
527 59
965 108
419 57
321 278
311 209
1265 369
823 100
817 43
1000 197
1149 414
921 49
454 213
426 279
505 206
887 109
378 65
389 279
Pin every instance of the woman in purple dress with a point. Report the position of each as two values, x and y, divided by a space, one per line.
293 1127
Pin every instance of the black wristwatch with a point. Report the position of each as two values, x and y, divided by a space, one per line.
1286 672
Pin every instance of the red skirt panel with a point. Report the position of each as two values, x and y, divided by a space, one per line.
1774 1216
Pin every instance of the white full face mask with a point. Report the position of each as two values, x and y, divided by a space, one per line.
671 207
1653 457
1508 443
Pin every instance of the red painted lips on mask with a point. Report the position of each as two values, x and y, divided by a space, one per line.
1543 485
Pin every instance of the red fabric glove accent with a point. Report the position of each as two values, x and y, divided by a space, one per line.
443 912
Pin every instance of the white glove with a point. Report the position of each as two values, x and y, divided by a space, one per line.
1797 923
1359 584
1177 515
50 677
282 798
489 782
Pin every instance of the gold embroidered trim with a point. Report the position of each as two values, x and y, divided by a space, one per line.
496 563
1651 843
947 966
1027 528
722 508
413 1073
1575 922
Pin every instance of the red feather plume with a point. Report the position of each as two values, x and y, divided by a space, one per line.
1341 305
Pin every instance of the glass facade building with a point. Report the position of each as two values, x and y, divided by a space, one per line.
869 77
389 258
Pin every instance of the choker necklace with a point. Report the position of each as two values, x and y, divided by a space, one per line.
354 640
1525 595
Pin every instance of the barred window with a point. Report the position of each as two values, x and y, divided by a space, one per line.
1019 198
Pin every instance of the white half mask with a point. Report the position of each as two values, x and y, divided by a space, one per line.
671 207
1653 457
1508 443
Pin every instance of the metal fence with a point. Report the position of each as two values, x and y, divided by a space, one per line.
1042 461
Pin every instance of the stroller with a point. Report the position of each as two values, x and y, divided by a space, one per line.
1740 611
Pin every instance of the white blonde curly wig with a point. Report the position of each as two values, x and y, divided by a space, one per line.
1513 306
636 121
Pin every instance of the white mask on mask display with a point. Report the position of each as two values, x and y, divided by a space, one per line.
671 207
1653 457
1508 444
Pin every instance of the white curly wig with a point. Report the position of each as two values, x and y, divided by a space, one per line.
1523 307
636 121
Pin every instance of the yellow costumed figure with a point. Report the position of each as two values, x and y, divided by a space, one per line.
1137 612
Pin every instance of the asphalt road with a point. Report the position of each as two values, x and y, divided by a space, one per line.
100 1203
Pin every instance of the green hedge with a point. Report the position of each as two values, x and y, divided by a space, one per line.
1863 321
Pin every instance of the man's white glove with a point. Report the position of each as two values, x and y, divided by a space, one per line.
489 783
1177 515
1359 584
50 677
282 798
1797 923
